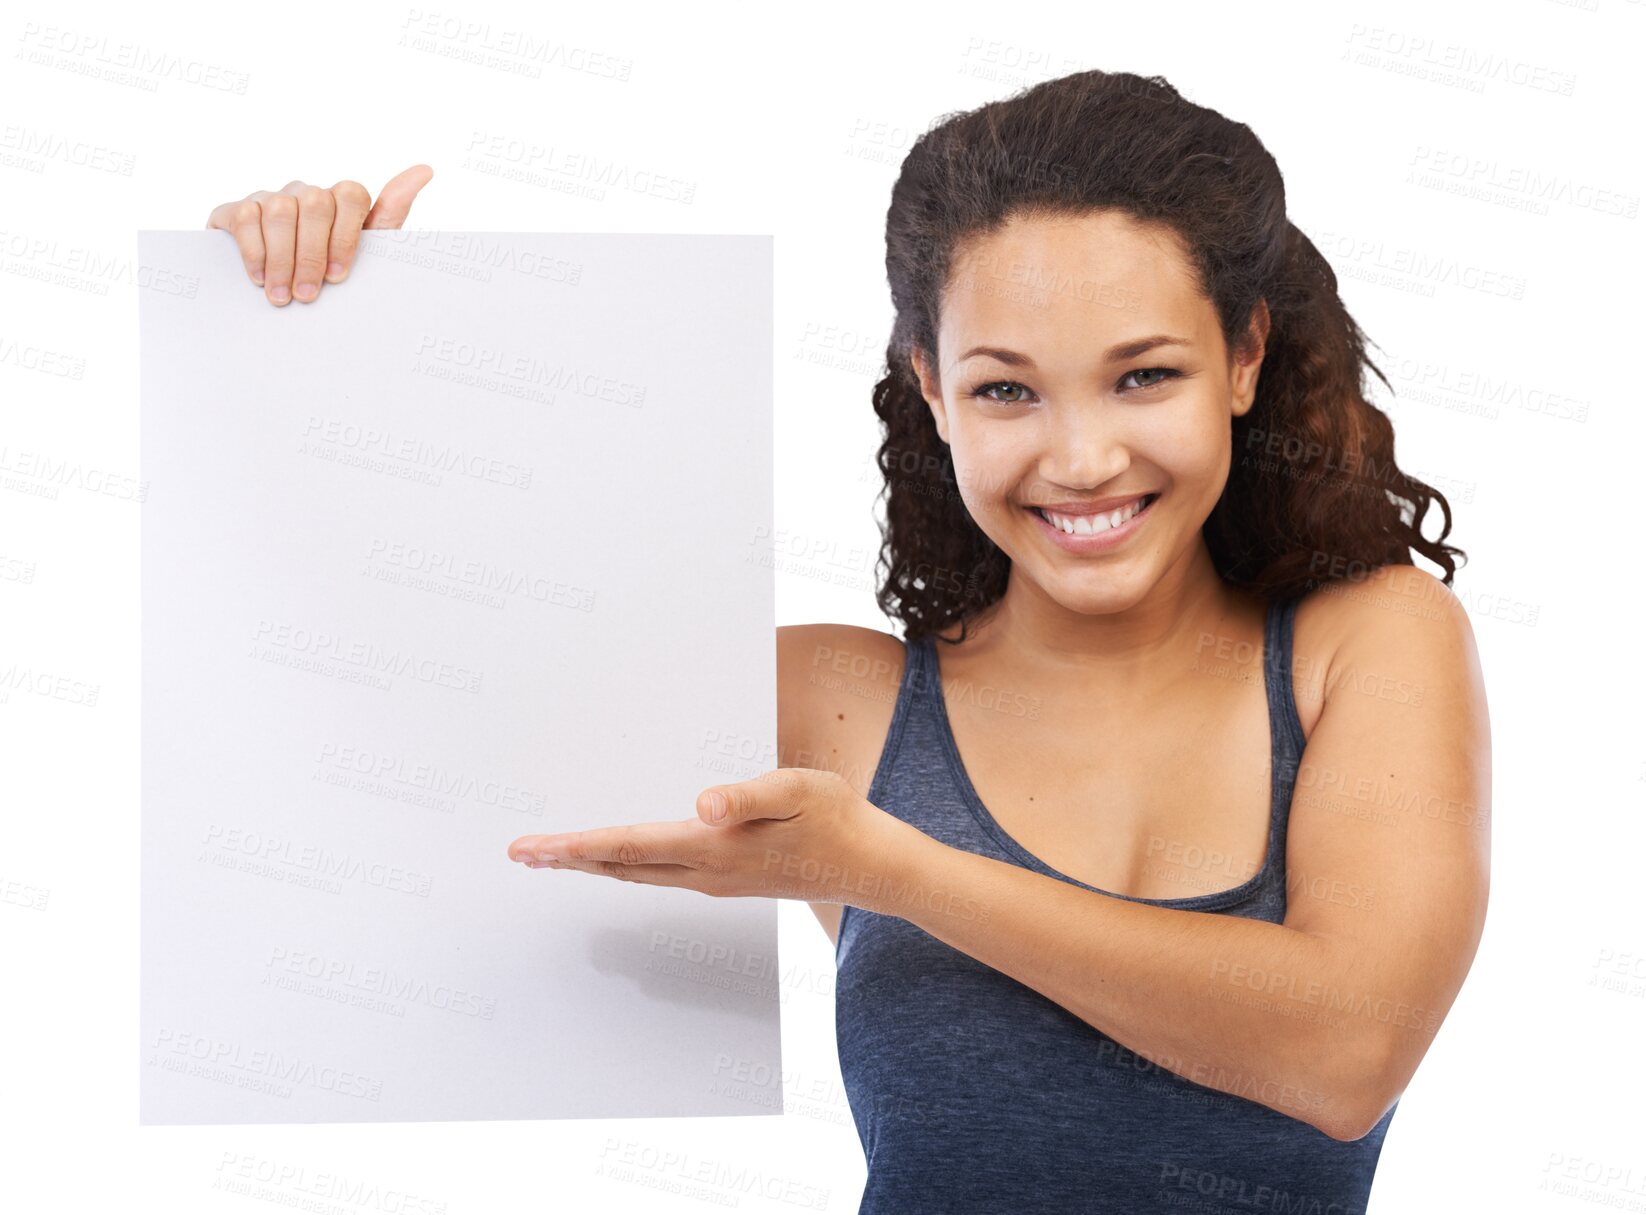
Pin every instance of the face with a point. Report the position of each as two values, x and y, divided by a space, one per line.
1052 388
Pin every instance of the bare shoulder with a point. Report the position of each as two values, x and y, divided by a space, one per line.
836 691
1397 634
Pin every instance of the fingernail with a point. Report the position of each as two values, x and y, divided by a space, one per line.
257 277
307 291
280 295
717 806
546 857
334 272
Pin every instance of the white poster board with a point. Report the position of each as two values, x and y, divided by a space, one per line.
470 548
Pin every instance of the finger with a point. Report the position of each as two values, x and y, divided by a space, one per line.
634 844
352 202
315 210
279 215
646 875
394 203
775 794
244 221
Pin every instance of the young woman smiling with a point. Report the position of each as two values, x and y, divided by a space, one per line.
1161 849
1157 849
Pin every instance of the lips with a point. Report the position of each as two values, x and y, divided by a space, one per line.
1085 521
1098 506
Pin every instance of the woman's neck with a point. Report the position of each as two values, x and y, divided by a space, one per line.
1188 610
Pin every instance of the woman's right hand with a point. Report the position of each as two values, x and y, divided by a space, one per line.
293 238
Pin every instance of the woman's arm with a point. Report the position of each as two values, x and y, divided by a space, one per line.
1342 999
1323 1017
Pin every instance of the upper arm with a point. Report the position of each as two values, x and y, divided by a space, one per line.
1389 838
831 678
797 702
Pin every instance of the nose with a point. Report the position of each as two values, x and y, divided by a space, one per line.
1082 447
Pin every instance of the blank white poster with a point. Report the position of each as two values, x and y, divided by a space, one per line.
467 549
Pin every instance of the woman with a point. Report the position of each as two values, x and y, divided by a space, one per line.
1157 851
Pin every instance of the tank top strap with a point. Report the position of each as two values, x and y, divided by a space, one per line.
912 689
1285 728
920 669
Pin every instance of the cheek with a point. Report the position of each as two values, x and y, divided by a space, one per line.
1192 445
987 464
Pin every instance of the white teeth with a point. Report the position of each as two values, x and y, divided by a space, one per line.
1091 525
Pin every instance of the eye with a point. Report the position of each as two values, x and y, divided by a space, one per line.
983 391
986 391
1165 373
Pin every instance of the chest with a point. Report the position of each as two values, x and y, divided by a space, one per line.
1152 806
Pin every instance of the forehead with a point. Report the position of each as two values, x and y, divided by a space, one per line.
1036 283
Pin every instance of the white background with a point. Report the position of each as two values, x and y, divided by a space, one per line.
794 124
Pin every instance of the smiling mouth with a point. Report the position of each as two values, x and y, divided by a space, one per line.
1093 525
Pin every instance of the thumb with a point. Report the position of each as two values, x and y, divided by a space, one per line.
775 794
394 203
715 805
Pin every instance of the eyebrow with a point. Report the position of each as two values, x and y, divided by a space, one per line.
1115 354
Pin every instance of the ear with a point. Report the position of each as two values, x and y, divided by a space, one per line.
932 391
1249 360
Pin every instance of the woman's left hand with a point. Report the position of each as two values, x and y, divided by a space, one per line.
791 833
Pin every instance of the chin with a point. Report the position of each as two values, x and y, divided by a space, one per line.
1092 592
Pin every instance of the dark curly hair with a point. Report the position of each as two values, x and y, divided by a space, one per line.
1313 489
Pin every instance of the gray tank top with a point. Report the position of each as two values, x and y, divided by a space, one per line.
975 1094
